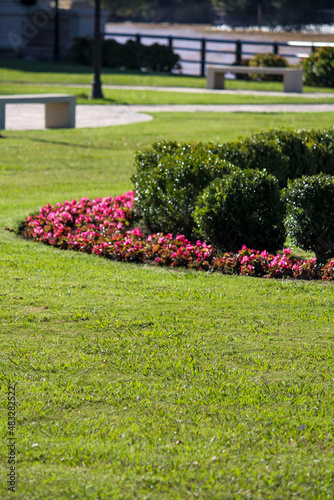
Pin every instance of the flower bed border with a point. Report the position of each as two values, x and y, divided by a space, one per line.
104 226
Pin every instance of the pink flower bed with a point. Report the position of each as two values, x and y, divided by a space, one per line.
104 226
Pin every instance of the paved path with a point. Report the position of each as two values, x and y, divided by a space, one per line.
194 90
31 116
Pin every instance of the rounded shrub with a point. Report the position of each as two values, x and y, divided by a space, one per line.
168 179
283 153
310 214
319 68
320 144
244 208
268 60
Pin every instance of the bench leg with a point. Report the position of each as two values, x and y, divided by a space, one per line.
293 82
60 114
2 116
215 80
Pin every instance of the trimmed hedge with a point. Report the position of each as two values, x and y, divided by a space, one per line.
319 68
268 60
310 214
243 208
168 180
131 55
284 153
262 60
170 176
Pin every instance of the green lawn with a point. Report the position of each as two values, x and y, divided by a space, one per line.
20 77
128 96
142 382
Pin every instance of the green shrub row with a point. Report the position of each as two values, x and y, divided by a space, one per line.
230 194
318 67
263 60
131 55
286 154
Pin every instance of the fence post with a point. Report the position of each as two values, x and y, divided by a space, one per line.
238 51
170 42
203 50
275 48
138 38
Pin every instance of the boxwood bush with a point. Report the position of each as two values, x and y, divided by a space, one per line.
268 60
283 153
168 179
310 214
319 68
131 55
320 143
170 176
286 154
243 208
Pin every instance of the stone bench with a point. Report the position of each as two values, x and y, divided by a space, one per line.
292 77
59 108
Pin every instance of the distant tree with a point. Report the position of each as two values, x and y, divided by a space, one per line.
28 3
126 8
275 11
245 12
159 10
299 11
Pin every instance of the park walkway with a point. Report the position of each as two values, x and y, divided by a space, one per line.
31 116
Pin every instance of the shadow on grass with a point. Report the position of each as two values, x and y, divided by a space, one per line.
50 67
70 68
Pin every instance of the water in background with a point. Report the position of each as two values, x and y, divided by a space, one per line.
324 34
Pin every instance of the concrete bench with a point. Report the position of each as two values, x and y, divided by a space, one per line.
59 108
292 77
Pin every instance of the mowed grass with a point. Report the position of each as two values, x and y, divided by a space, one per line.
22 77
147 96
143 382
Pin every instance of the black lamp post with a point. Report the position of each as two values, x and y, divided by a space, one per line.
96 84
259 13
56 52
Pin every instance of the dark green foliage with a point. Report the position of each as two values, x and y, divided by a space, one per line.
244 208
168 180
131 55
310 214
319 68
242 76
286 154
268 60
320 143
81 51
171 176
283 153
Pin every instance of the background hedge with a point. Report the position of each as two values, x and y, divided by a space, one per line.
131 55
319 68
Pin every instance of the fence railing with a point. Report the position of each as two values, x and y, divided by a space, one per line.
239 51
